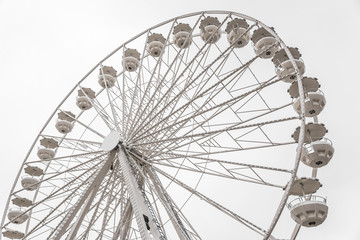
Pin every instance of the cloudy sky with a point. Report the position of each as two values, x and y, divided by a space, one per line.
47 46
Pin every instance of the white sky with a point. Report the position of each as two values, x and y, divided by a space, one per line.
47 46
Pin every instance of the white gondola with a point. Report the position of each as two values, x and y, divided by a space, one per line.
131 60
313 132
45 153
30 183
13 234
284 67
64 123
182 35
17 216
210 30
155 44
314 104
84 98
265 44
309 212
286 70
238 33
107 77
63 126
47 148
317 154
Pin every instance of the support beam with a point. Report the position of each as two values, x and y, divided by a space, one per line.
123 227
96 182
84 211
174 217
140 204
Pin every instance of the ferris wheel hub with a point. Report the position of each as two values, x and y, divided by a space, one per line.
111 141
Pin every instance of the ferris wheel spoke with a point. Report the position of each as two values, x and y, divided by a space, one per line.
145 98
125 103
105 211
174 68
66 157
169 201
217 107
136 88
97 210
233 174
54 209
189 64
167 93
78 144
164 77
57 173
115 117
91 188
123 98
182 221
170 103
87 207
197 113
209 67
226 128
226 211
84 125
116 97
48 229
172 157
211 133
124 224
161 60
257 80
172 112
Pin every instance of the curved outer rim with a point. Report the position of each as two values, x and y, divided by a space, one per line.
286 194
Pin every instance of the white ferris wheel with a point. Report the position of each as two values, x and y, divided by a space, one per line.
201 127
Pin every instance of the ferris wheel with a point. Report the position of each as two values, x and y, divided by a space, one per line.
201 127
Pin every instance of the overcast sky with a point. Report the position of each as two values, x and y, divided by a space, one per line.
47 46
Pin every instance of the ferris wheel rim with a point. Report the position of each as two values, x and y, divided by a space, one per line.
301 139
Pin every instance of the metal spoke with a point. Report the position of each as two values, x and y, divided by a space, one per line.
226 211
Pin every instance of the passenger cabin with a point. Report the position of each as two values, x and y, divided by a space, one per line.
107 76
84 98
238 33
131 60
309 211
318 153
64 123
210 30
285 69
155 44
265 44
30 183
182 35
17 215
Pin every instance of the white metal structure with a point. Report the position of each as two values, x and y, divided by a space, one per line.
182 132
